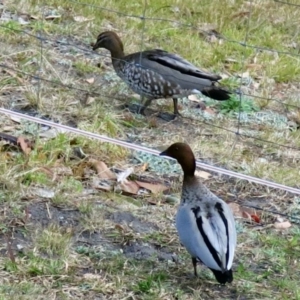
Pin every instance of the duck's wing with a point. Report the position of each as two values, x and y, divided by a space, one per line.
177 63
207 235
225 211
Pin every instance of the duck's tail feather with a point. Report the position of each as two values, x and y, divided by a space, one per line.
223 277
216 93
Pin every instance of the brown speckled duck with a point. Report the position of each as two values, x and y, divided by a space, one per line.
157 74
204 222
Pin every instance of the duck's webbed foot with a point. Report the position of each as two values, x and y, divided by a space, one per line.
134 108
167 116
170 117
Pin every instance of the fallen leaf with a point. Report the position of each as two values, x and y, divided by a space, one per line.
81 169
241 14
152 202
244 75
52 17
42 192
141 168
46 170
193 98
209 111
246 215
244 212
144 167
90 276
119 227
250 216
8 128
254 66
62 170
154 188
103 185
255 218
22 21
25 144
102 170
203 174
279 219
282 225
121 177
81 19
230 60
89 100
129 187
33 17
90 80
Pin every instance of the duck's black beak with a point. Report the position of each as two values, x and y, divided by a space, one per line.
164 153
95 45
98 42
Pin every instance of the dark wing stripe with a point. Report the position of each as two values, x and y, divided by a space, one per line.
182 70
221 212
212 250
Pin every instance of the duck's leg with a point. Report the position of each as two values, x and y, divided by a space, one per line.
169 117
176 111
194 261
138 108
144 106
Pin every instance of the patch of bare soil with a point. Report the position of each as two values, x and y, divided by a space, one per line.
43 214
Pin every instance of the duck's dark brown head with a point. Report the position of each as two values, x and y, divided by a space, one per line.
184 155
110 41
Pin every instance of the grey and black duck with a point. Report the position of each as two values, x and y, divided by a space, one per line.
157 74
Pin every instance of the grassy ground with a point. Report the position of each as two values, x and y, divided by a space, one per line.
64 239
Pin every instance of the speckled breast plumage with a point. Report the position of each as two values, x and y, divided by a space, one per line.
146 82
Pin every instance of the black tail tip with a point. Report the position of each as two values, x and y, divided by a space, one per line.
216 93
223 278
